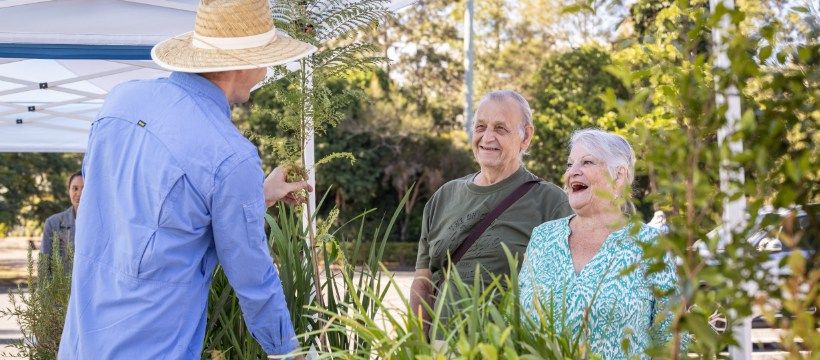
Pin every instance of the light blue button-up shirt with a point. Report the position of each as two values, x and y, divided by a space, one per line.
171 189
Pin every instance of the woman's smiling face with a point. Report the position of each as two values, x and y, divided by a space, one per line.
587 181
75 190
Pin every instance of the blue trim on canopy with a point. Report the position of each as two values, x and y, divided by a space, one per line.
78 52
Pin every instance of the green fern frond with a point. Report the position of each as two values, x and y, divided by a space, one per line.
347 57
352 65
283 11
336 156
318 10
328 24
351 17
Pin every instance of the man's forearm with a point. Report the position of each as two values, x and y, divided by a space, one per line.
421 294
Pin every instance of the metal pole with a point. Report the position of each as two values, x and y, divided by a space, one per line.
734 211
468 66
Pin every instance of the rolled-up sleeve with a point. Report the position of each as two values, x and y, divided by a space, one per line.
238 211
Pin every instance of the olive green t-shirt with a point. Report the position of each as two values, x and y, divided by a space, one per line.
458 205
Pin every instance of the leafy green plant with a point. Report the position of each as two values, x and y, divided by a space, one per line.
673 119
567 96
339 258
485 323
306 103
354 321
40 307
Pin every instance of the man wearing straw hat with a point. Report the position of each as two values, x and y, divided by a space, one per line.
172 188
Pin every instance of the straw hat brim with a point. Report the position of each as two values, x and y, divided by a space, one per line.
178 54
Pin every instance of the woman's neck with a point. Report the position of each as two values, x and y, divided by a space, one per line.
611 220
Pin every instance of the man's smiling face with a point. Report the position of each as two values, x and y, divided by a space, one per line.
499 136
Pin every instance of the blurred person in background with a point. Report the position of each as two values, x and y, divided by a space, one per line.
59 228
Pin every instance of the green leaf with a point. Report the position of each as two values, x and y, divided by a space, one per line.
668 91
488 352
781 57
804 53
701 330
577 8
765 53
792 170
510 354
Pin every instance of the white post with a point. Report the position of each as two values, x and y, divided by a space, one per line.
310 158
308 221
309 163
468 66
734 211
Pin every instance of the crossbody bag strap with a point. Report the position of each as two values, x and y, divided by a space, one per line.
482 225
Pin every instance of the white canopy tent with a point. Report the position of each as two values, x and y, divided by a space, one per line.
58 60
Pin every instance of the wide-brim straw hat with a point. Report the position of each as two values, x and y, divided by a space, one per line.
230 35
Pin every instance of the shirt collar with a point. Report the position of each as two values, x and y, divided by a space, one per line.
203 86
514 178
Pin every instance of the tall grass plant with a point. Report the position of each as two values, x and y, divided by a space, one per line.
40 306
484 323
349 283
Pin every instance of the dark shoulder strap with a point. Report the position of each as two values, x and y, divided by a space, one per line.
482 225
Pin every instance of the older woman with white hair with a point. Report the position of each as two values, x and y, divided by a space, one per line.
585 271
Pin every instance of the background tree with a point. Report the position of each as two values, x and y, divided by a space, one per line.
33 187
567 95
390 156
673 119
427 66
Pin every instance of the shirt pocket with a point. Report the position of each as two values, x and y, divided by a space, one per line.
254 212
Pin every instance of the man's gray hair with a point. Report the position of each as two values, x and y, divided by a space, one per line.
501 95
613 150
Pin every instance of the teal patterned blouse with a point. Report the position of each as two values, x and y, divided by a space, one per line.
624 313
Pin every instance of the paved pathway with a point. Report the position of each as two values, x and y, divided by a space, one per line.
13 260
9 329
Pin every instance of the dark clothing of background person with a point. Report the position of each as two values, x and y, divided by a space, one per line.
59 232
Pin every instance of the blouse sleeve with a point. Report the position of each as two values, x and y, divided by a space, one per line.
527 273
666 283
